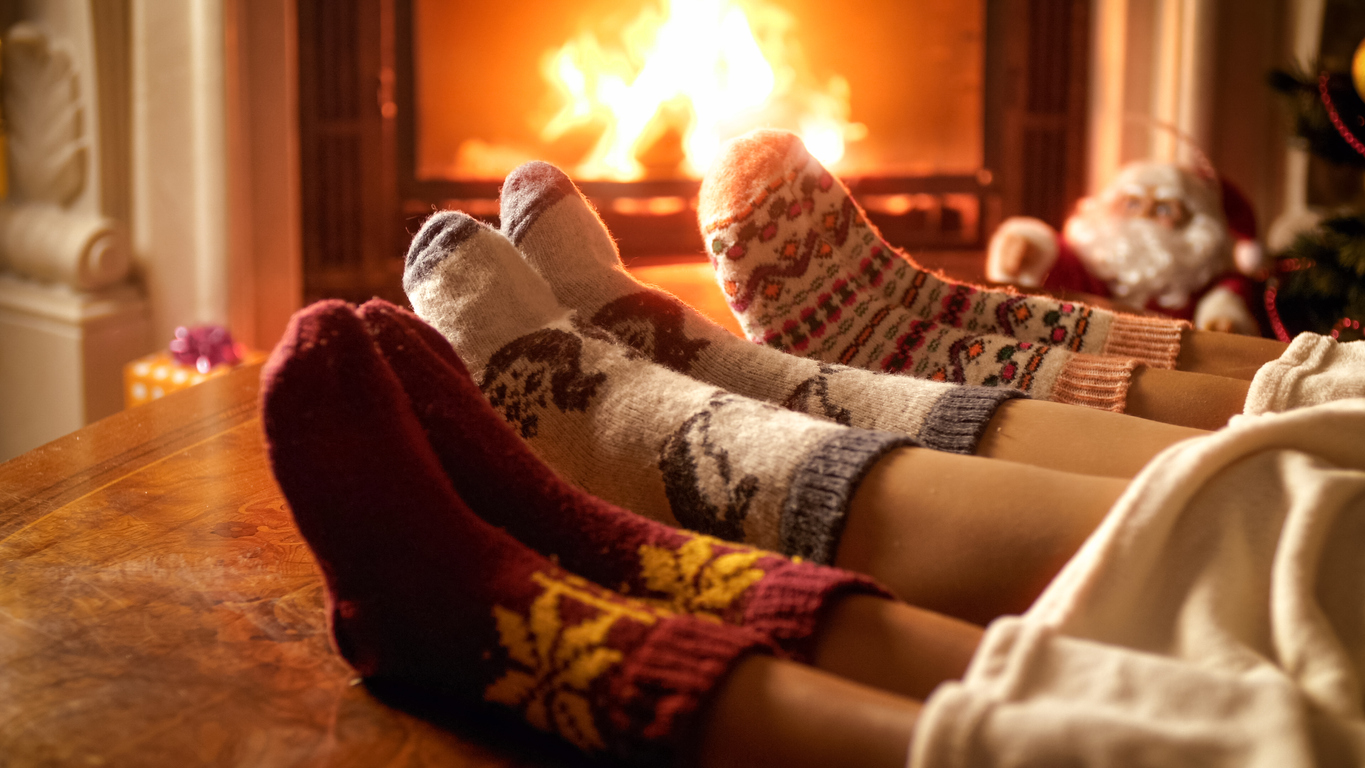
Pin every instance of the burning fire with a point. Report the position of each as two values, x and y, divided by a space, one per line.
690 76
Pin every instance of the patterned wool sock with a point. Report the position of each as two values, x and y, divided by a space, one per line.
423 594
627 430
504 483
559 233
804 271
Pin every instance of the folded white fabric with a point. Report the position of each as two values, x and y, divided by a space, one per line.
1313 370
1216 618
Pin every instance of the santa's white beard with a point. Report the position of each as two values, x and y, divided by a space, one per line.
1141 260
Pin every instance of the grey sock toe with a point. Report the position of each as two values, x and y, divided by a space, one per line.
528 192
434 242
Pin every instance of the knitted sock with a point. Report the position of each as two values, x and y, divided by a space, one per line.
424 594
505 484
559 233
804 271
627 430
1313 370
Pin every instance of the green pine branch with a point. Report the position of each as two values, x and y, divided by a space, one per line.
1311 122
1330 283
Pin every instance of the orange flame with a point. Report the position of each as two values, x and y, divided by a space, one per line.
702 70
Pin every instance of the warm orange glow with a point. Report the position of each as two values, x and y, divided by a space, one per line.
652 206
483 102
685 78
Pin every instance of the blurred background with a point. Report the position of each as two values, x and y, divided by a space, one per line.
182 163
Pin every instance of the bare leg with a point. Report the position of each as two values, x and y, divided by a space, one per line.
774 713
1075 439
1198 400
1209 387
1225 354
893 646
970 537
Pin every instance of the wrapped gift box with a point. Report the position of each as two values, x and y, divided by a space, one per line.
157 375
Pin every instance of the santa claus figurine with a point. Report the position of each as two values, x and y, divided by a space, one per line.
1160 237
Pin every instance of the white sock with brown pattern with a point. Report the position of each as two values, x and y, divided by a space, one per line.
623 428
559 234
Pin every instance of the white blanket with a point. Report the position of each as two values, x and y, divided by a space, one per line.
1216 618
1312 370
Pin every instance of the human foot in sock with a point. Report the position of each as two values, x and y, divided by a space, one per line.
794 254
622 428
504 483
424 594
982 566
560 235
766 190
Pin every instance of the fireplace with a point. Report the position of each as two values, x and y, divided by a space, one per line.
953 115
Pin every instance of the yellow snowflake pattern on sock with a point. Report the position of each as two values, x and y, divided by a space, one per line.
696 579
556 664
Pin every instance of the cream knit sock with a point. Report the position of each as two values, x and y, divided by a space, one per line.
622 428
1313 370
804 271
558 232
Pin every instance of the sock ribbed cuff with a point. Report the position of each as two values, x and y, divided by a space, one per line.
789 604
822 487
1095 382
664 683
1153 341
957 421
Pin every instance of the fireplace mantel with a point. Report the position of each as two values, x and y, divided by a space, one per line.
70 314
188 118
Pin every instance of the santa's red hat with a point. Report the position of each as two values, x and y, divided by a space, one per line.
1247 252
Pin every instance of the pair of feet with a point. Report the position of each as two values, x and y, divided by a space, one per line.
555 330
806 273
457 563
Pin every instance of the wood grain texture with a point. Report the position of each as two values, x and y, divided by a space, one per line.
158 608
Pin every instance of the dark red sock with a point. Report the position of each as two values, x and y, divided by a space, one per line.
423 593
506 484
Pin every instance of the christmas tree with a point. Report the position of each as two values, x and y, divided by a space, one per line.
1318 283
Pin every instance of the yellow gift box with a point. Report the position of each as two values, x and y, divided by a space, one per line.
157 375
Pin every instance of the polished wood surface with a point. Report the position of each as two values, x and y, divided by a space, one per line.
158 608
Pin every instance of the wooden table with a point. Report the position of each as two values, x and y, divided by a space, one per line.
158 608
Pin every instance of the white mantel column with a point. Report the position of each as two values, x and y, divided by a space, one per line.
69 317
179 177
1153 73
